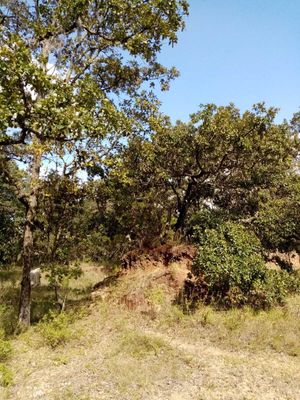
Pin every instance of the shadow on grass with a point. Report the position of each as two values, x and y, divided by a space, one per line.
10 276
42 301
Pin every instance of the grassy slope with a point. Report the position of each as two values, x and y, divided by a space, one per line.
155 352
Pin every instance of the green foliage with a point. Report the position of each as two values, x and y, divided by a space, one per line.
8 299
75 113
55 329
59 218
139 345
62 273
221 158
5 348
6 376
203 219
278 219
73 99
11 221
75 78
8 317
270 291
293 282
230 270
230 259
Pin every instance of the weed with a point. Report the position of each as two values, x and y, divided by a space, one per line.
8 311
6 376
55 329
5 348
156 295
139 345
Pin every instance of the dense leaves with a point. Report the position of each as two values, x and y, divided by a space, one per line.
90 168
74 79
230 270
11 223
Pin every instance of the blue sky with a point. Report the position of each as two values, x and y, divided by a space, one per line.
241 51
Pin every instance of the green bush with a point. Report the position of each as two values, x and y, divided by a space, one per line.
205 218
230 270
5 348
6 376
55 329
8 301
293 282
8 318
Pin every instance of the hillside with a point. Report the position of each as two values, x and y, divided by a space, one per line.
128 341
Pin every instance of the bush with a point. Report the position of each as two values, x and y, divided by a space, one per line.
205 218
5 348
8 318
8 300
55 329
6 376
230 270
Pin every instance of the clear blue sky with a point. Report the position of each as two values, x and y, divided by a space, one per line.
241 51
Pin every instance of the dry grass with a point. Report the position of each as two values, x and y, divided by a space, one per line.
245 329
149 350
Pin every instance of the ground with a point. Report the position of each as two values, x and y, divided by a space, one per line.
129 342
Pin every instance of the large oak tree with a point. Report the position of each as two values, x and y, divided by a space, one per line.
221 157
73 73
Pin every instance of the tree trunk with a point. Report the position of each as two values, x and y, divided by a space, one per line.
181 217
25 295
183 207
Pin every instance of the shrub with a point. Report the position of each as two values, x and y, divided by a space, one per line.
8 318
5 348
205 218
6 376
55 329
230 270
8 300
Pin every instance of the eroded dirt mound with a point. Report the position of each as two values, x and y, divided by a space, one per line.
144 290
159 256
150 278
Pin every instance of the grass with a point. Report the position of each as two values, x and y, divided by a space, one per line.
5 348
277 329
140 345
55 329
6 376
148 348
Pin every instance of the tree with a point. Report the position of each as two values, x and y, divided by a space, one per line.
11 222
221 158
137 203
71 74
277 221
61 203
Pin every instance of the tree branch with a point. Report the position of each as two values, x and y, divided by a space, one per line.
11 141
16 185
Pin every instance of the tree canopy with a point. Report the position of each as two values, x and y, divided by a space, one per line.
71 75
89 166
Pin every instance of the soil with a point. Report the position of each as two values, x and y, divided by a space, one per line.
162 255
